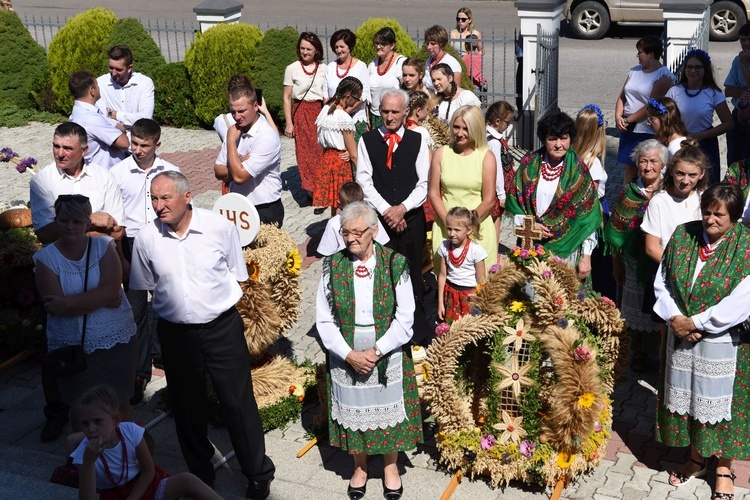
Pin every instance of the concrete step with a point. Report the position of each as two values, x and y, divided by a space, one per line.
24 474
26 488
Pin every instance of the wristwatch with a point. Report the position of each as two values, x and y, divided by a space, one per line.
378 353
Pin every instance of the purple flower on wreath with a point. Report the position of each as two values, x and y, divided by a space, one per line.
581 354
26 163
494 268
581 296
559 259
562 323
524 254
547 274
488 441
7 154
597 426
442 329
475 311
527 448
697 52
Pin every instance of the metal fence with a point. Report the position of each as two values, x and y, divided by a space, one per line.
699 40
547 57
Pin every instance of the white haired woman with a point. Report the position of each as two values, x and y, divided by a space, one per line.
371 385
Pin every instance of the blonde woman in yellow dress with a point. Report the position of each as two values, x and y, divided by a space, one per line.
463 174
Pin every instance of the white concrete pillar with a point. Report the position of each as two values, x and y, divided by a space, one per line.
213 12
682 18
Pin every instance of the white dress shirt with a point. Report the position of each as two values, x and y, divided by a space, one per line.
497 149
264 163
135 186
193 277
132 102
94 181
364 176
102 133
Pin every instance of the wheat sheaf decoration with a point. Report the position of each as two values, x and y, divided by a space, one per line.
520 389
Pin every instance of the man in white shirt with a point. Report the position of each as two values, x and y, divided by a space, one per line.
127 96
392 168
134 176
70 175
250 157
192 261
107 140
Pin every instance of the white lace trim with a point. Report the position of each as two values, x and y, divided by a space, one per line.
334 124
372 417
702 409
702 367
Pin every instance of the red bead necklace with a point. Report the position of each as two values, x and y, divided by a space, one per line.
124 470
551 173
311 73
388 65
351 60
705 251
437 61
458 261
362 271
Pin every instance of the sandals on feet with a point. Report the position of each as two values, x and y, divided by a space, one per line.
725 496
677 478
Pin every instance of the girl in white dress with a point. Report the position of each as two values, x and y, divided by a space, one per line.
453 96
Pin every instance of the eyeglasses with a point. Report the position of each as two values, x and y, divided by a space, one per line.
697 67
357 233
77 198
462 19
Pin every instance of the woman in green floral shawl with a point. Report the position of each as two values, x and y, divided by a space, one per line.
702 291
554 186
365 312
738 173
624 239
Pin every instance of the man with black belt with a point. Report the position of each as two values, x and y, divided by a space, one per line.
392 168
192 260
250 157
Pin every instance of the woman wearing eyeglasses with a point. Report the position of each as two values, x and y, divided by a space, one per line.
698 97
371 386
303 99
385 71
464 28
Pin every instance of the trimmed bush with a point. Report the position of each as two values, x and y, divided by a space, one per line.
212 59
465 78
41 92
80 44
365 50
147 57
174 103
22 60
277 50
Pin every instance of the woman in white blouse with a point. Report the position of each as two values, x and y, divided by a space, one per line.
343 42
385 71
436 39
453 96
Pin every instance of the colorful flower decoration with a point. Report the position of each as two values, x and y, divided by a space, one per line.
513 377
253 270
586 399
488 441
564 460
659 107
581 354
547 274
517 306
7 154
527 448
598 427
494 268
697 52
608 301
517 335
442 329
511 429
596 109
293 262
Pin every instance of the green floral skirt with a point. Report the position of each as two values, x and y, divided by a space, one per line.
726 439
402 437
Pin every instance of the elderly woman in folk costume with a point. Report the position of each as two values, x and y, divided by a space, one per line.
365 311
554 186
702 290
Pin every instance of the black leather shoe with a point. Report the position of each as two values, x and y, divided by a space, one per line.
390 494
258 490
52 430
356 493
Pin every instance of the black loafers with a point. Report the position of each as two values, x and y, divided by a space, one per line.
390 494
258 490
356 493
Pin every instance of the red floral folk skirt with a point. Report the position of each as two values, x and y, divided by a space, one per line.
153 491
332 173
306 144
456 301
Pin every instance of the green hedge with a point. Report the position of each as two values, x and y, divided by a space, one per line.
214 56
147 57
80 44
22 60
277 50
174 101
465 78
365 50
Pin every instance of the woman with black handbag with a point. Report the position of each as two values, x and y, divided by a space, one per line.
90 324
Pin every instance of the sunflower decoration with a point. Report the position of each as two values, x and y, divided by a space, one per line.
293 262
535 369
253 270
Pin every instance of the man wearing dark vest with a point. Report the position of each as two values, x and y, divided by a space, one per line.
392 168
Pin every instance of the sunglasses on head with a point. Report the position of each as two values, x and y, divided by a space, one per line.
309 34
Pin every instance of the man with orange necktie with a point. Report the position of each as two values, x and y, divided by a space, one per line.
392 168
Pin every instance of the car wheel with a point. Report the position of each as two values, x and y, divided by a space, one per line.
590 20
726 20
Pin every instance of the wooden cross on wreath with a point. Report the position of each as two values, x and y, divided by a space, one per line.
528 232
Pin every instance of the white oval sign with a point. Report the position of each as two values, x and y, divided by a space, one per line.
239 211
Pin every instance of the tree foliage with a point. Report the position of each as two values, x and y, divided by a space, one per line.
173 96
80 44
365 50
22 60
214 56
275 53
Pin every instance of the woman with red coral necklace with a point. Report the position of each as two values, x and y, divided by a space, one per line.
554 186
385 71
343 42
303 100
436 38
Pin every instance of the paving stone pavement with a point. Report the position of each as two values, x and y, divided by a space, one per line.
634 467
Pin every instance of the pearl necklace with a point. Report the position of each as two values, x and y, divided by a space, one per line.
351 60
551 173
458 261
315 69
388 66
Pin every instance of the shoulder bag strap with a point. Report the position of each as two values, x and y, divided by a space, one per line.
85 288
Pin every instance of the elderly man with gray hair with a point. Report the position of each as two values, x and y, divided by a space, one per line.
392 168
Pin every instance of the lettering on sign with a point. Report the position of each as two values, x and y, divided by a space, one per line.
239 211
